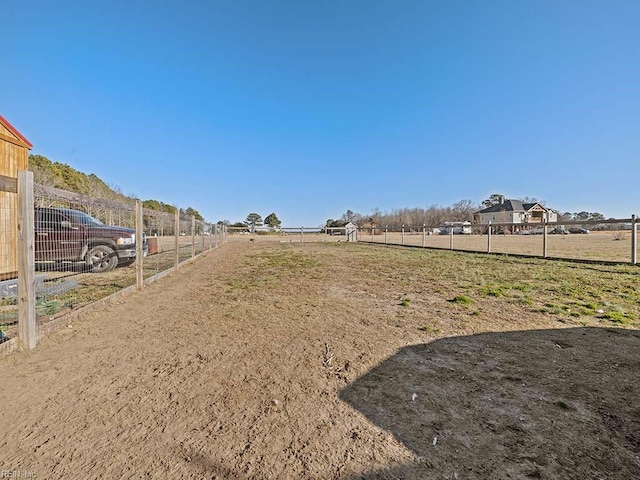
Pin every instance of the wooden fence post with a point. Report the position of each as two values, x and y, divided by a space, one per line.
139 247
372 227
634 240
424 235
544 239
176 234
193 237
26 262
402 235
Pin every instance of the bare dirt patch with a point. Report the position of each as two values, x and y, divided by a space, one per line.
288 360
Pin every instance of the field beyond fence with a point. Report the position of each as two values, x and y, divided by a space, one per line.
614 246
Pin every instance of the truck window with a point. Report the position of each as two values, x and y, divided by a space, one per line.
49 220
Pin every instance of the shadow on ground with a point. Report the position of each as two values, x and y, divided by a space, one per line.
528 404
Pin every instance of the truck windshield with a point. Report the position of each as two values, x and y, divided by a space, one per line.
86 220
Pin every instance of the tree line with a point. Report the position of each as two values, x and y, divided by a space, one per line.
409 217
62 176
254 220
435 215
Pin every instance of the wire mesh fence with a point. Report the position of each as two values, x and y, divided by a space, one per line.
8 265
8 235
86 249
613 240
289 234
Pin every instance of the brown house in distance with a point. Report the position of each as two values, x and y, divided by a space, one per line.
14 156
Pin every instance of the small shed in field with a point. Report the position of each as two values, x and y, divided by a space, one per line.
351 231
14 156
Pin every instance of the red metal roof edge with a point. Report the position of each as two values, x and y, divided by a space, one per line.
13 130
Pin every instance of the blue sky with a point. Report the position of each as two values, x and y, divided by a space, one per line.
310 108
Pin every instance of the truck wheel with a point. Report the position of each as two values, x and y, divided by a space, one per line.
101 259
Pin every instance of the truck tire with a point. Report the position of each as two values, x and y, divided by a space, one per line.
101 258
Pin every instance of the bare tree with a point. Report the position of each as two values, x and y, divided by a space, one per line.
463 210
532 200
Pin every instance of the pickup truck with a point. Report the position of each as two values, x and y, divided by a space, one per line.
65 235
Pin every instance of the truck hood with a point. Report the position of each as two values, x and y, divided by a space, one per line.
113 230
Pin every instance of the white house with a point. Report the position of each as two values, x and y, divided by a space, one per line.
514 211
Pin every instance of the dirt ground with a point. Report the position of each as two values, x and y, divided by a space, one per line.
285 360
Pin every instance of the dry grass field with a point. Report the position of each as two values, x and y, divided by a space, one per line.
599 246
603 246
609 246
332 360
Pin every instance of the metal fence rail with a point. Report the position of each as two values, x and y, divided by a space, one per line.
289 234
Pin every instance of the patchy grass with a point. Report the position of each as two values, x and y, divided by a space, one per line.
492 290
426 281
570 292
584 292
430 329
46 309
462 300
617 316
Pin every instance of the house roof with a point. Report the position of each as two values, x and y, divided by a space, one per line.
510 206
22 139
